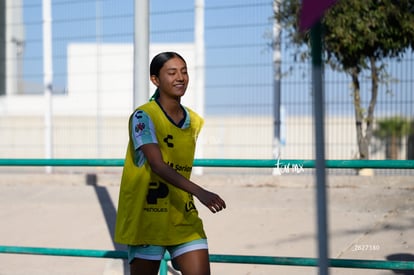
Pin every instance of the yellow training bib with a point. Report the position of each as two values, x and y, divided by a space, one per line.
151 210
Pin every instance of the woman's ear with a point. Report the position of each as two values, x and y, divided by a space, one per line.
154 80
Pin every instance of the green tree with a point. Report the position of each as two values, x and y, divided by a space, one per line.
359 36
392 130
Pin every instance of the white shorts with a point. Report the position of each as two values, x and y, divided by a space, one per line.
156 252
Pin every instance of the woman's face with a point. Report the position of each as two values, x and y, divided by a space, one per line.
173 78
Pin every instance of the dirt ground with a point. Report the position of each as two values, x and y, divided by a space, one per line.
368 218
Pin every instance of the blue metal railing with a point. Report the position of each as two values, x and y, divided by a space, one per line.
254 163
216 258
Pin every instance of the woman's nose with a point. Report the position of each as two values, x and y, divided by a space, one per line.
180 76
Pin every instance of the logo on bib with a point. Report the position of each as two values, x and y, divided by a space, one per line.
156 190
190 206
166 140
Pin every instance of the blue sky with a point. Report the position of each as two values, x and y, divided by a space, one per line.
237 37
238 54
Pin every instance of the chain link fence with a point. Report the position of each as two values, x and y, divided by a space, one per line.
92 55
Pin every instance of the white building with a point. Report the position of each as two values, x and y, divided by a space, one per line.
90 120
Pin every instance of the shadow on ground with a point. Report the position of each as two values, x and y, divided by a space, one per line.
109 212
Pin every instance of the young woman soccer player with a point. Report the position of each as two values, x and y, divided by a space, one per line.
156 210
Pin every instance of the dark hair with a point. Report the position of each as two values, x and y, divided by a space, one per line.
159 60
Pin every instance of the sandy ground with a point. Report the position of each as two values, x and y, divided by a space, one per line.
369 218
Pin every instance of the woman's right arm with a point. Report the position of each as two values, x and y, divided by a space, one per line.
153 155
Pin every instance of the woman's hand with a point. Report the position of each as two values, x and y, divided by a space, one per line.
153 154
211 200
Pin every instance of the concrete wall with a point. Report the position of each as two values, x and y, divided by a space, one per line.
22 136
